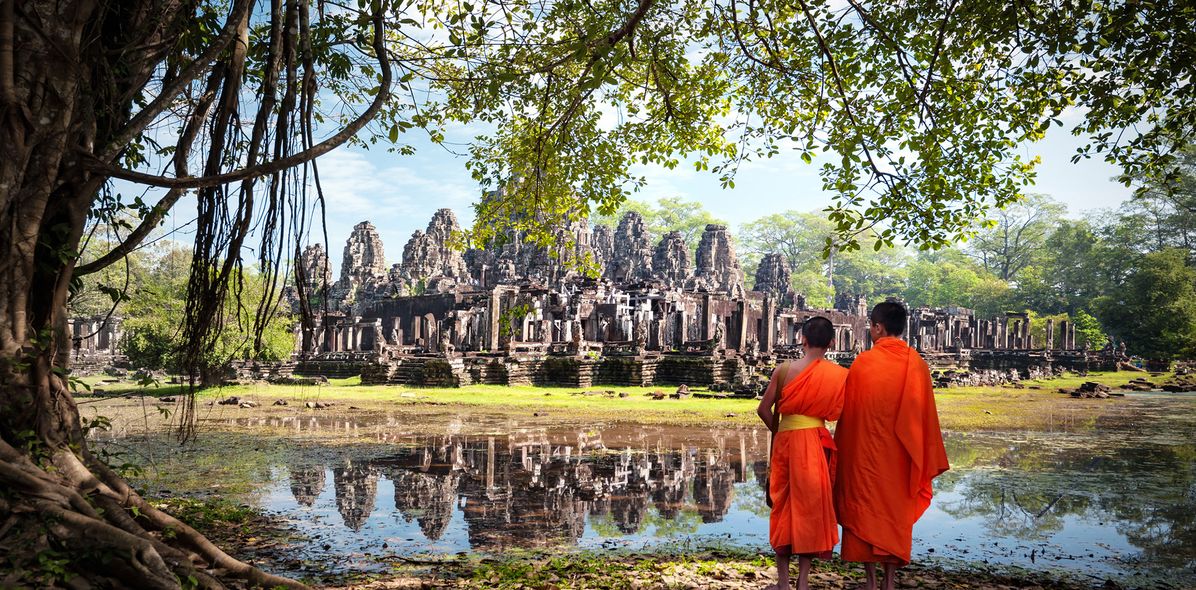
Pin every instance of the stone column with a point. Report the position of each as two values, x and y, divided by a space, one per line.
707 329
492 313
768 336
1050 333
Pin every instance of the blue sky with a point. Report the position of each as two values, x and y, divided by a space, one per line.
399 193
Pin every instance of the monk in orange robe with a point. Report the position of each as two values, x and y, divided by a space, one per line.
890 448
801 396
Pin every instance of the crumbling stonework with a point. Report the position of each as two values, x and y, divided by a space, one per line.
670 263
632 257
363 265
603 243
772 276
717 267
515 312
431 253
317 272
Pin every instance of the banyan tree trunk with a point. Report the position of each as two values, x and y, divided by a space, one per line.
63 96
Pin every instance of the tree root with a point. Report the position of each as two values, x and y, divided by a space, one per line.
105 525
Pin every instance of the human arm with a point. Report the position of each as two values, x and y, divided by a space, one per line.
768 401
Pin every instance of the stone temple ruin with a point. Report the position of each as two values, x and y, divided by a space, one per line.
517 313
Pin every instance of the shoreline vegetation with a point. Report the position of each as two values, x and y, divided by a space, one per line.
1033 404
265 541
262 539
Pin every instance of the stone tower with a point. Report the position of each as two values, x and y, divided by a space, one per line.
717 266
772 276
632 257
670 263
317 272
430 253
363 264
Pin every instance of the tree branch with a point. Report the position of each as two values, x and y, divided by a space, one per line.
170 91
280 164
938 46
159 211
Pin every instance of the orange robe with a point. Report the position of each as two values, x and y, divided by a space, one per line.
890 448
800 484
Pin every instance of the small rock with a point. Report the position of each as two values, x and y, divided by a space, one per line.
231 401
280 402
309 404
247 404
168 400
624 394
657 395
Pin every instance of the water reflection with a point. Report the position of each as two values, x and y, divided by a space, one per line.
528 490
307 481
1115 498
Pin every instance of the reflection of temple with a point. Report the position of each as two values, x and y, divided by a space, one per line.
356 486
530 489
307 482
511 313
426 492
712 490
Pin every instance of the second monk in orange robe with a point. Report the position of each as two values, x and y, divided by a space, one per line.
805 394
890 448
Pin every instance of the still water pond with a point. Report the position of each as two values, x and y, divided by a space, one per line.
1111 498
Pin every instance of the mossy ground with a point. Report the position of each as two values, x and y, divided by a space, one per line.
1030 405
715 569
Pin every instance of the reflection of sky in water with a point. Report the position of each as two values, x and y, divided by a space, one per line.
1087 543
1120 502
1114 498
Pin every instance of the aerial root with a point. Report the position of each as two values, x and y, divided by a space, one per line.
112 533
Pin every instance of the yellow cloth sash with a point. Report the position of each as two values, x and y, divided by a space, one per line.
799 422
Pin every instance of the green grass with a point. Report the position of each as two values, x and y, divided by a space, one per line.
1009 407
960 408
693 568
637 406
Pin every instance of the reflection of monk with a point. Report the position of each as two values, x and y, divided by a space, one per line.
810 392
890 448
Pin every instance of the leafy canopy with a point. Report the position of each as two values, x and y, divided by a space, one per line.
922 107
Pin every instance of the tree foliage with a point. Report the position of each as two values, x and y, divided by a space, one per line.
925 105
154 314
1017 236
1155 310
